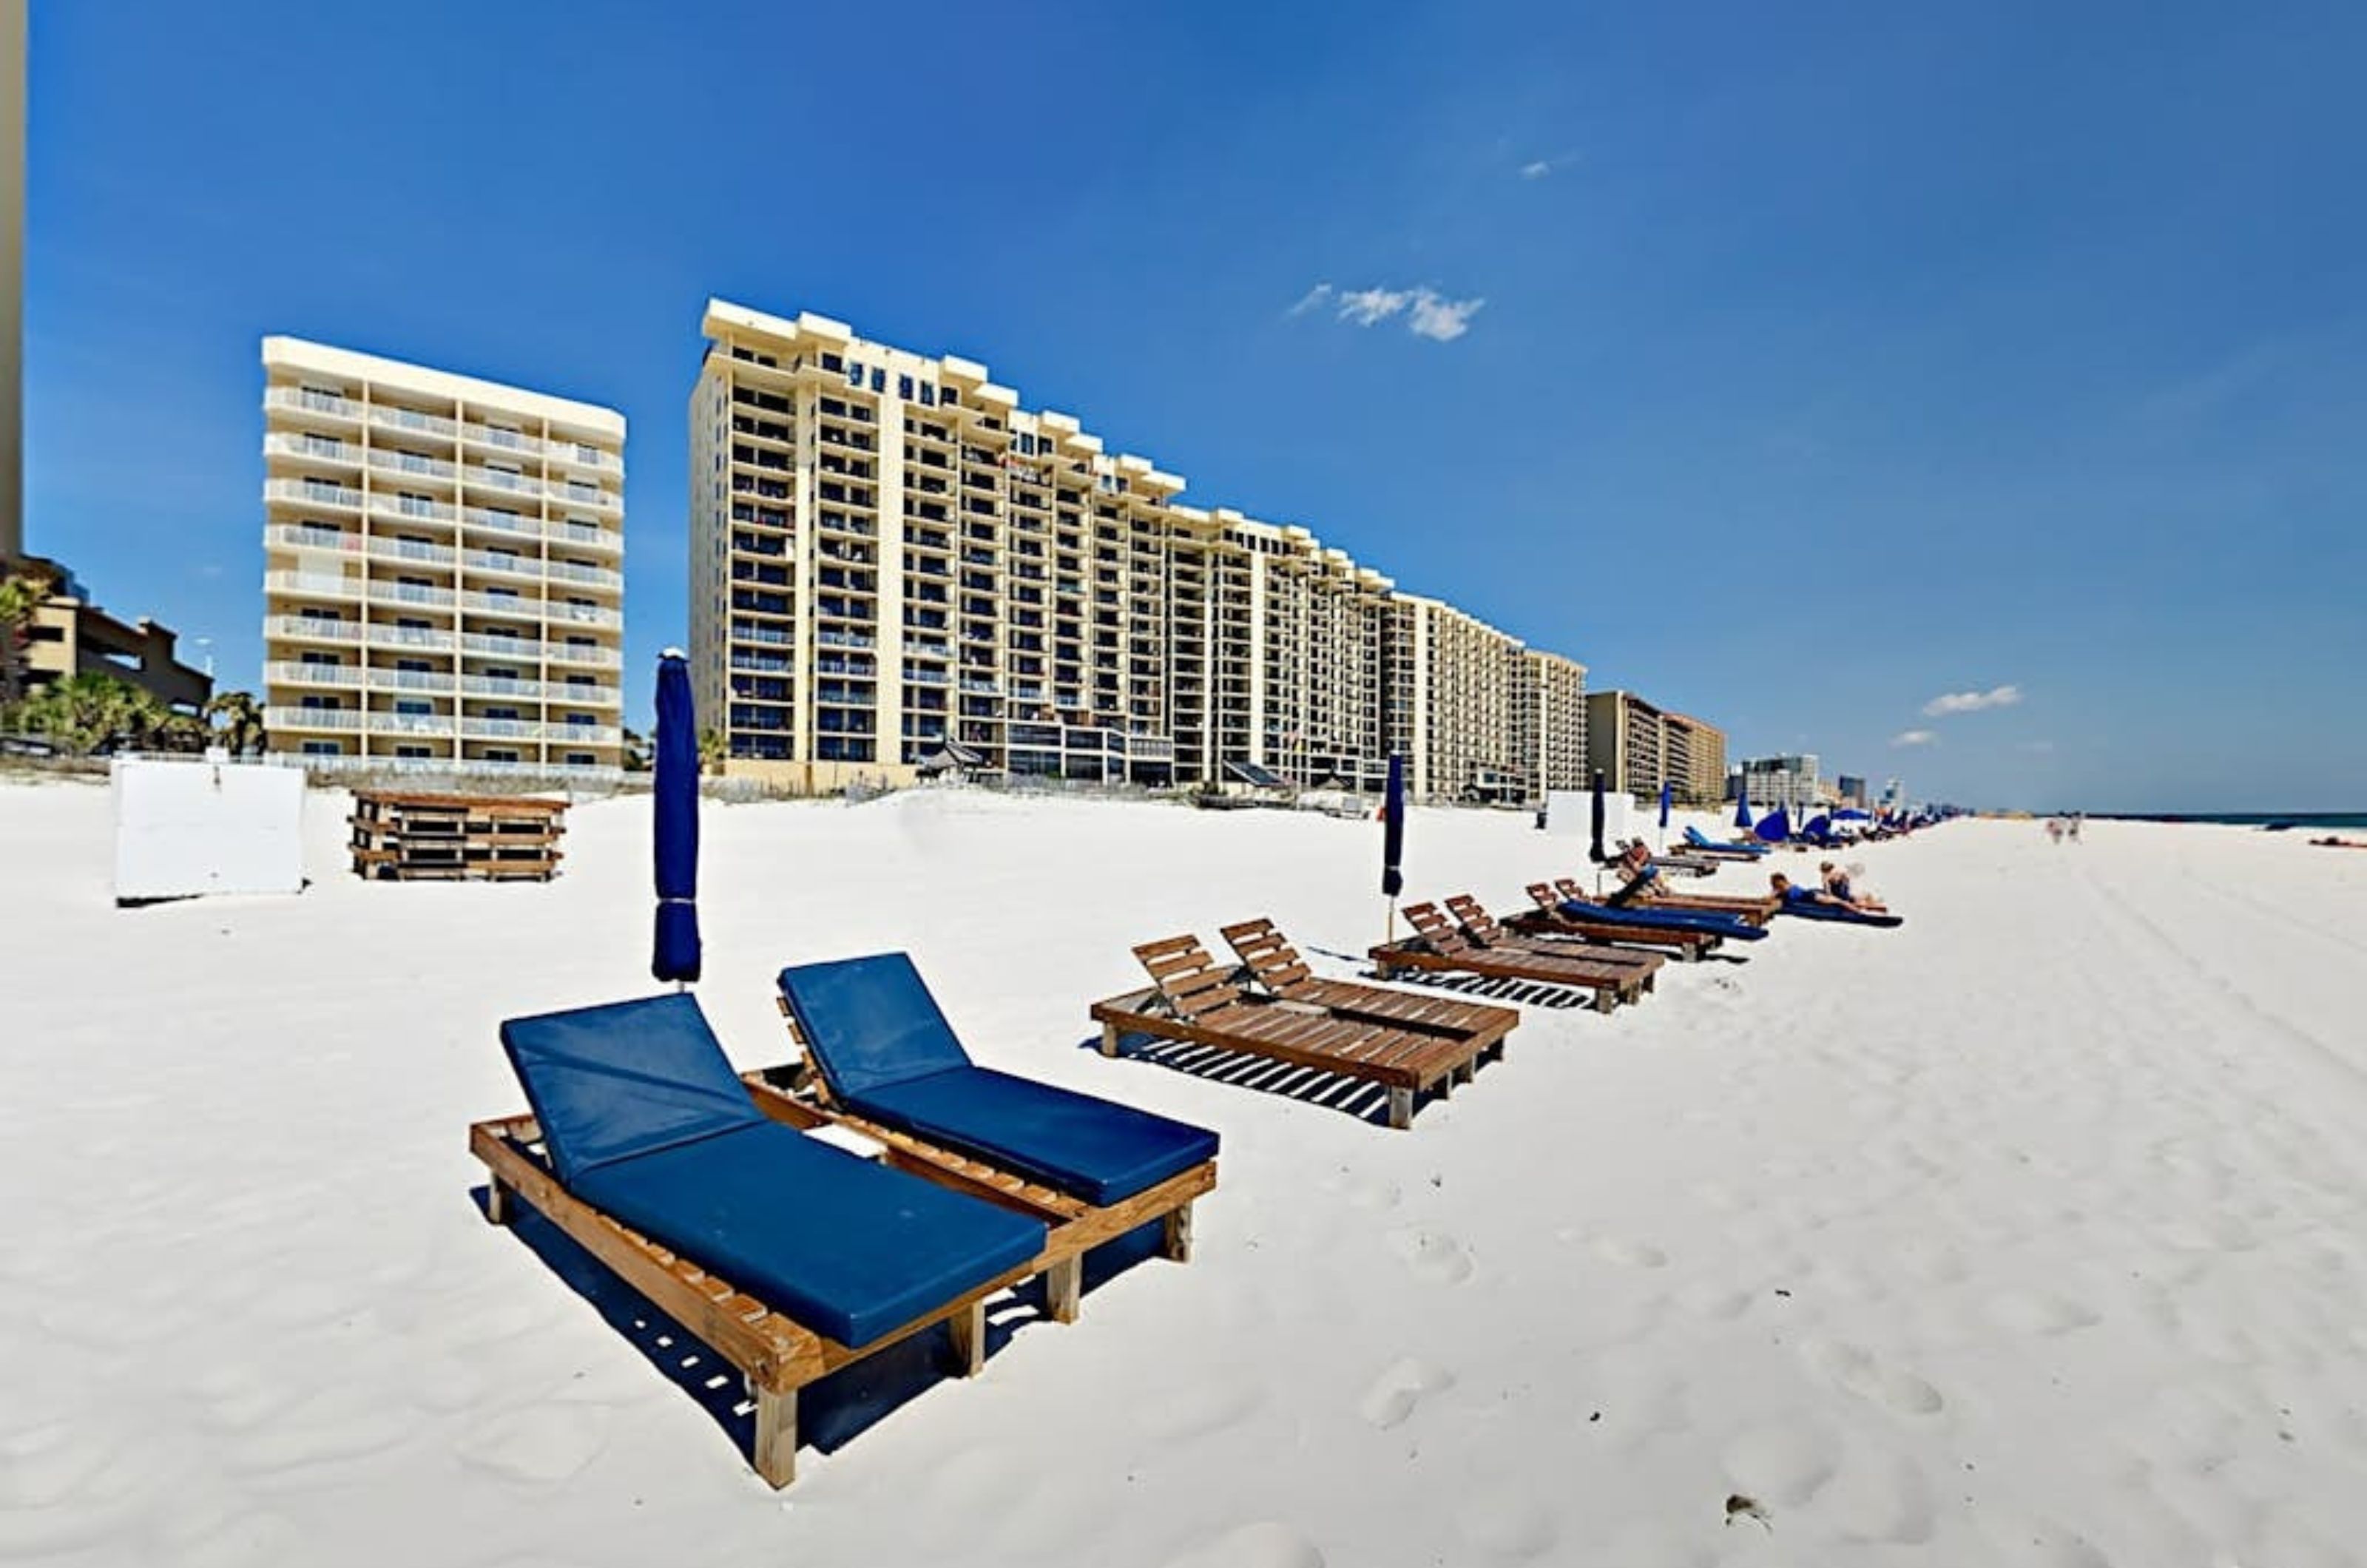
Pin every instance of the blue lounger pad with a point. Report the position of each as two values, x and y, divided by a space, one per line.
882 1046
852 1250
871 1021
1702 841
1090 1148
1811 911
644 1121
625 1079
1708 922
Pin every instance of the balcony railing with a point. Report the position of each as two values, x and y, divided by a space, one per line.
310 401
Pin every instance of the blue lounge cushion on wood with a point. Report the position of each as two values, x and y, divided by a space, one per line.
879 1040
644 1121
1709 922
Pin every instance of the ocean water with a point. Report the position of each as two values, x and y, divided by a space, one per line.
2299 819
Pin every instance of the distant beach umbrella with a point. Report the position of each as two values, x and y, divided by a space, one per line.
674 817
1393 819
1664 806
1775 827
1742 804
1595 818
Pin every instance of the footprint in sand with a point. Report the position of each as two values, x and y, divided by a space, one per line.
1199 1410
1391 1398
541 1444
1883 1498
1784 1465
1268 1544
1429 1255
1508 1523
1855 1370
1629 1254
2039 1311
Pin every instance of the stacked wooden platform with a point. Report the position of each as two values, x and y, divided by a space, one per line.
401 835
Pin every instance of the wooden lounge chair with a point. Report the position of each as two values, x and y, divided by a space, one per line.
788 1258
1439 947
1750 911
1482 928
1276 966
1192 999
1548 919
878 1059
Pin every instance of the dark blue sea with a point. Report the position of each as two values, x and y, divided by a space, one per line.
2352 819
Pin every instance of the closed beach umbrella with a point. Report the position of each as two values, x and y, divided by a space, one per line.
675 814
1664 806
1393 815
1742 804
1595 816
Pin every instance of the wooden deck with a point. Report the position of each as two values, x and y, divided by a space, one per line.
1192 999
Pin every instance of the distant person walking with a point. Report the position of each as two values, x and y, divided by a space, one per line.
2076 818
2055 829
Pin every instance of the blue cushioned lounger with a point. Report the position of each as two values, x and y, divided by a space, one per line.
887 1053
644 1121
1707 922
1809 909
1702 841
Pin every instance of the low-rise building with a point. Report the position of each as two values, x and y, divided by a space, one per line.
69 634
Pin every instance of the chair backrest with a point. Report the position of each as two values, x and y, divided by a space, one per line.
1187 975
1475 920
1571 887
627 1078
1268 955
1431 924
1695 835
869 1022
1544 897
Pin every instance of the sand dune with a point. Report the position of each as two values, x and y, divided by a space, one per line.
2031 1232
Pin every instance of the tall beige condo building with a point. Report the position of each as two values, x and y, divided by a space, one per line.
443 584
1638 745
895 568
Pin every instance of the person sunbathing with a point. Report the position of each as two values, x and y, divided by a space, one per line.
1837 883
1791 894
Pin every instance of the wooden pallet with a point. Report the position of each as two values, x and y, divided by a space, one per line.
774 1353
1192 999
401 835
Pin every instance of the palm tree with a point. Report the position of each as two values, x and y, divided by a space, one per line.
710 750
84 713
236 721
23 590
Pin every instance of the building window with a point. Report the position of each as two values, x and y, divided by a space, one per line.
323 749
904 387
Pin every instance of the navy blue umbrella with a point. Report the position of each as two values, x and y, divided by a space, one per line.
1595 850
1742 804
1664 806
1393 816
675 814
1776 825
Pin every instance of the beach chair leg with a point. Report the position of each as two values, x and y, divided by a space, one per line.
1401 1107
1606 999
499 1202
1175 1235
1064 1284
776 1448
968 1327
1109 1039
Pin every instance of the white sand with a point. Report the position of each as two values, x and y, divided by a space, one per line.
2031 1234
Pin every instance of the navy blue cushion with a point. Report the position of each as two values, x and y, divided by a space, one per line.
614 1082
849 1248
870 1021
1809 909
1710 922
1089 1148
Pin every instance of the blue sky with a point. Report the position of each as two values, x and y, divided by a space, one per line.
1825 360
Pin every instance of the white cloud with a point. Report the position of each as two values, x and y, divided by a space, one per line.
1972 702
1442 321
1365 306
1427 313
1538 170
1915 738
2040 747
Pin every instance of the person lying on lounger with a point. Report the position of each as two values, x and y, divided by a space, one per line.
1793 894
1837 883
1641 882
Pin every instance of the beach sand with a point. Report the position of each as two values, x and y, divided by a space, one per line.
2030 1234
